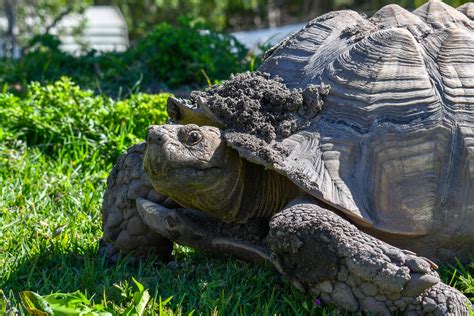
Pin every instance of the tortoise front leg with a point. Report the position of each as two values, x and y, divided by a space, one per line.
195 229
323 253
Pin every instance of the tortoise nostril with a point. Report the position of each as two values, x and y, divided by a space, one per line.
156 135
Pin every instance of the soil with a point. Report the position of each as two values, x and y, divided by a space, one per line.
256 104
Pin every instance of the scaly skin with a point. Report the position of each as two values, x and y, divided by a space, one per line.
321 253
344 266
124 231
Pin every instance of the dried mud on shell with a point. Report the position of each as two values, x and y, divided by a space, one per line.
262 106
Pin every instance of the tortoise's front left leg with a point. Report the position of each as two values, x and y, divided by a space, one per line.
324 253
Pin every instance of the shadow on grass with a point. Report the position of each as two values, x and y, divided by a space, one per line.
195 281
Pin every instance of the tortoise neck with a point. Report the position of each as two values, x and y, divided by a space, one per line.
265 192
221 197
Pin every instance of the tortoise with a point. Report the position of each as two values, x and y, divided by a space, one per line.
353 142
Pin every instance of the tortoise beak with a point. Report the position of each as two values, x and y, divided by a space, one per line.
156 140
157 135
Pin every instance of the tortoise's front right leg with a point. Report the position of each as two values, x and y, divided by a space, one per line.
124 231
324 253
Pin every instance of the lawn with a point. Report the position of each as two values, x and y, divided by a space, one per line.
57 145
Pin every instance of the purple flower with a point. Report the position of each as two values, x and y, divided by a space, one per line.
317 301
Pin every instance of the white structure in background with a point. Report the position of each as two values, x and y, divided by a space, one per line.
253 39
105 30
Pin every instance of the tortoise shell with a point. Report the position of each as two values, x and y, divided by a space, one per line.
393 147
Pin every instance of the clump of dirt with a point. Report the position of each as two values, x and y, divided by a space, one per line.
262 106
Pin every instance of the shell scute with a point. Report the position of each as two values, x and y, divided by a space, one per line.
406 171
308 51
467 9
439 14
392 15
456 66
381 78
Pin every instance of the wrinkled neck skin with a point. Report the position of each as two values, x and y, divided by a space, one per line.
242 191
265 192
220 198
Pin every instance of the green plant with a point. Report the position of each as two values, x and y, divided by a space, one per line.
76 303
168 57
62 115
178 55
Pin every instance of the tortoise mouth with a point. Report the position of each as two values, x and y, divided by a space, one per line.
157 141
152 164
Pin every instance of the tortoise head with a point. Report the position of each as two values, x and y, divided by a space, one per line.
193 165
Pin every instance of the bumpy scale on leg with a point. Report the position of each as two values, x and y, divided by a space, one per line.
124 230
322 252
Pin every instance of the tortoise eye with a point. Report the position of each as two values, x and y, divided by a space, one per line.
194 137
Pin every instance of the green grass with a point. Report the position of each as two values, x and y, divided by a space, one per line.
50 221
50 226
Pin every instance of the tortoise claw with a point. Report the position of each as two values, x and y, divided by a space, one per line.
418 283
168 222
152 214
192 228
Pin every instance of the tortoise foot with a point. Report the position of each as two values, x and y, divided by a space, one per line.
326 255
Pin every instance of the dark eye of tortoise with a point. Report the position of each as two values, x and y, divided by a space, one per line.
194 137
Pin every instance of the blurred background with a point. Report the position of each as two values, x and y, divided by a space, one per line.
236 15
151 45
